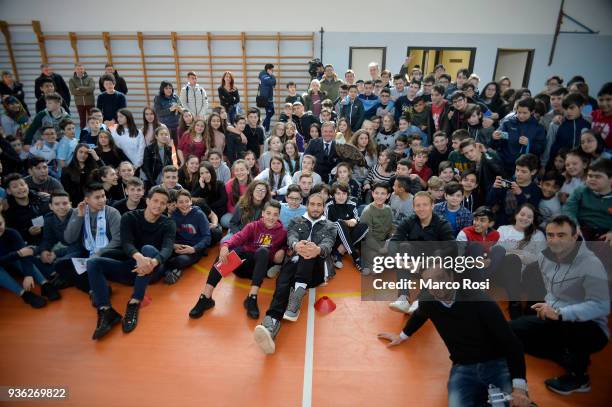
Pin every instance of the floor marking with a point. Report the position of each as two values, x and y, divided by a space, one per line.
309 354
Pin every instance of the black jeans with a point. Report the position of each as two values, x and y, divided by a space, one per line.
65 268
568 343
308 271
269 115
255 266
182 261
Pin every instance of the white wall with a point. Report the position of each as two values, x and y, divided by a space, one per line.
450 16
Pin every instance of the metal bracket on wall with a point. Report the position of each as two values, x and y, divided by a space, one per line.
558 31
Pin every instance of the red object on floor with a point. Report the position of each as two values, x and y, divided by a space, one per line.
325 305
145 301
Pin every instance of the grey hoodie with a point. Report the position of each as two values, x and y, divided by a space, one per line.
577 286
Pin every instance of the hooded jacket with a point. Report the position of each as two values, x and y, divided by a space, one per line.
82 89
576 286
566 135
194 99
256 235
120 85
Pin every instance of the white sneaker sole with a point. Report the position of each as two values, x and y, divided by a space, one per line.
290 318
264 340
400 307
567 393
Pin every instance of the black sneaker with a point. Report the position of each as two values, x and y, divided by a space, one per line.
107 318
202 305
130 319
250 303
569 383
47 290
35 301
59 283
173 276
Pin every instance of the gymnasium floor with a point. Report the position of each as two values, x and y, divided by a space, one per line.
170 360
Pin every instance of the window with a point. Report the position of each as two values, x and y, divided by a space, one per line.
452 58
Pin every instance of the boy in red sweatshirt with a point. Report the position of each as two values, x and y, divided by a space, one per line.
259 244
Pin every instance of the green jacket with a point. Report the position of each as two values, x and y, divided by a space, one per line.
82 89
590 209
331 88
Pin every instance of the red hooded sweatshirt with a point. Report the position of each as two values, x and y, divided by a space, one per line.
255 235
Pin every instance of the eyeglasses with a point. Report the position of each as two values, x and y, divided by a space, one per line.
261 191
293 198
457 101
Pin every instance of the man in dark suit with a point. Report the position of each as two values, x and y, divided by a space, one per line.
324 150
58 81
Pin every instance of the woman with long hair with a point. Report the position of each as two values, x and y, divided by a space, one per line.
107 176
249 207
185 122
592 145
169 108
193 141
292 157
251 161
518 246
211 189
76 174
108 151
491 96
149 123
215 132
365 144
275 147
291 134
235 188
189 173
228 95
128 138
343 131
382 172
157 156
276 176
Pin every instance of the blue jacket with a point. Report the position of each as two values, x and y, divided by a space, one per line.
161 105
354 112
568 134
267 84
192 229
509 150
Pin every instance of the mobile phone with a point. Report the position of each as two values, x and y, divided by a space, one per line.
487 113
504 135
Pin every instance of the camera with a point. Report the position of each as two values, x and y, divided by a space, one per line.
506 183
313 67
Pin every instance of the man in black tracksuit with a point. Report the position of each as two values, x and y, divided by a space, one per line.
310 239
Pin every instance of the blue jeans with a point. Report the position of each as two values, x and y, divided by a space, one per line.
24 267
99 268
468 384
269 114
225 220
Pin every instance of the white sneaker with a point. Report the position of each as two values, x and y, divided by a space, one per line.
413 307
401 304
273 271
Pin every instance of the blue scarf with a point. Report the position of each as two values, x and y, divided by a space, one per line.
101 241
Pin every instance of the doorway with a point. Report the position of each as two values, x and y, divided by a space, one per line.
515 64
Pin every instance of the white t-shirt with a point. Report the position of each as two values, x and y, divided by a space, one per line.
510 238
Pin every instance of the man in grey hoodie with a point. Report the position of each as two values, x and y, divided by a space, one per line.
572 323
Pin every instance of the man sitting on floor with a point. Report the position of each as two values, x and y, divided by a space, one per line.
310 238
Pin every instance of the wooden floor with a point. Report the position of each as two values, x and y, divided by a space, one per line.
171 360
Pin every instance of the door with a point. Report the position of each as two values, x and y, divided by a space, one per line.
453 59
515 64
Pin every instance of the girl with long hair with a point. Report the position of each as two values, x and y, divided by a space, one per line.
107 176
276 176
193 141
228 95
189 173
128 138
292 157
108 151
365 144
185 122
157 156
211 189
169 108
76 174
343 131
249 207
235 188
215 132
292 134
149 123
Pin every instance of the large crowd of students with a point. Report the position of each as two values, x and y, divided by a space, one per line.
349 167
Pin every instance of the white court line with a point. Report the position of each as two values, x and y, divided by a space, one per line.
309 354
